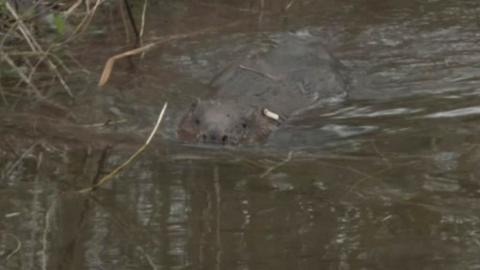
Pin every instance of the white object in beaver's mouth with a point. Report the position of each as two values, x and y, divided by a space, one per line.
271 115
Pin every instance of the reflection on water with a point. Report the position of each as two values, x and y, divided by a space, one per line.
387 180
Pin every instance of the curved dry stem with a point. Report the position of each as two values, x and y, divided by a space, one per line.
84 23
107 70
17 248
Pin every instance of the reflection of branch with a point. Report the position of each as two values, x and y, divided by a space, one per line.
15 251
289 5
10 169
101 164
132 21
109 176
46 231
374 145
218 250
149 259
142 25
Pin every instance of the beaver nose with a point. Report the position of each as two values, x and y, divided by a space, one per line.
215 137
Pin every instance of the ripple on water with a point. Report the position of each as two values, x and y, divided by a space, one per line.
434 183
474 110
345 131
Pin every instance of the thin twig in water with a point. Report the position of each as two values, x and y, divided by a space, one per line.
79 65
142 25
276 166
61 63
109 176
131 19
48 224
8 33
27 80
262 7
21 74
53 67
385 159
218 201
149 259
366 177
101 164
72 8
289 5
125 24
17 248
266 75
2 94
85 21
104 124
17 162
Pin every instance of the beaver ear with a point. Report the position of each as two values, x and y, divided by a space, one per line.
186 129
261 126
195 103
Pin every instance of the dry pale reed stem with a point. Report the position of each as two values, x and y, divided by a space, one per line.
125 24
22 75
289 5
35 46
72 8
142 26
85 21
107 70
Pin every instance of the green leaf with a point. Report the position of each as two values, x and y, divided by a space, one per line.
59 22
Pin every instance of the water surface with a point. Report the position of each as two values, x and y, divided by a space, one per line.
388 179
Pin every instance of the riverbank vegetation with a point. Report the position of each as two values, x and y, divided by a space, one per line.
35 36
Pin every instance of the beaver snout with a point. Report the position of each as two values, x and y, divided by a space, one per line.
218 122
215 137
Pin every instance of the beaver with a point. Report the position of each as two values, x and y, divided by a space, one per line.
252 98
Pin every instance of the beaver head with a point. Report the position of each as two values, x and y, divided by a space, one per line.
226 123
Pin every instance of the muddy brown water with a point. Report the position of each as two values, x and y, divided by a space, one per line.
386 180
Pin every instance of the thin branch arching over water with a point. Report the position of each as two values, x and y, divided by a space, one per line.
115 171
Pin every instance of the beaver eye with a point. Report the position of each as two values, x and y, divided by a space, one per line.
244 125
197 121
